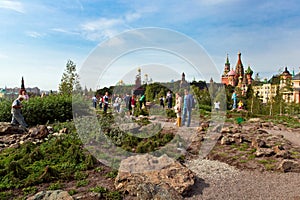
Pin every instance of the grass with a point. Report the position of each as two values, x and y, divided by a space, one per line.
82 183
30 190
112 174
55 186
269 164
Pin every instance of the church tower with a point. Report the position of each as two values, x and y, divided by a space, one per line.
225 78
239 69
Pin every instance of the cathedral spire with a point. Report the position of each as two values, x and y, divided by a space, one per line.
22 84
227 60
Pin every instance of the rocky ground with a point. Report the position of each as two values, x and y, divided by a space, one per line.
258 160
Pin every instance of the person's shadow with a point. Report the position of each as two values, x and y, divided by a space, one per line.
197 188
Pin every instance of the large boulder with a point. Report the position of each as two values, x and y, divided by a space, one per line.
163 172
7 128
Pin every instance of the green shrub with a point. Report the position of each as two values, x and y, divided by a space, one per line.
99 189
5 111
82 183
55 186
44 110
171 113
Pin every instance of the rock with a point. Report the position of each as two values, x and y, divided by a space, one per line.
258 143
289 166
38 132
152 118
7 128
217 128
254 120
267 125
200 129
267 152
261 131
225 140
278 148
64 130
162 171
90 195
50 129
226 130
51 195
205 125
150 191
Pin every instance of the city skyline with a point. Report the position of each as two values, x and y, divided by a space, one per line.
38 38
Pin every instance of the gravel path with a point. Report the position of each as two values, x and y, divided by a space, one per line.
218 180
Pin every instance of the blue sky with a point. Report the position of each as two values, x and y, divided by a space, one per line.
38 37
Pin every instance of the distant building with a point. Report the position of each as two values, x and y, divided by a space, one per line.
282 83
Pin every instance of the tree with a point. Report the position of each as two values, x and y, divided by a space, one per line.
69 80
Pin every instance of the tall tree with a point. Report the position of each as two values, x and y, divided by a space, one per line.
69 80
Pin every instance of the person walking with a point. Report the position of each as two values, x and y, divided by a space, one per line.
177 108
133 104
94 99
217 106
105 98
17 117
187 107
169 99
162 102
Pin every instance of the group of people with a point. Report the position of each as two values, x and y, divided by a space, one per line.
168 100
129 102
102 100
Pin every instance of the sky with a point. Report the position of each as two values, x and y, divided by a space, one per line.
38 38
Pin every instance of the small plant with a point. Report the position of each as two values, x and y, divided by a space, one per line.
82 183
99 169
112 174
29 190
72 192
114 195
98 189
243 147
5 195
171 113
80 175
55 186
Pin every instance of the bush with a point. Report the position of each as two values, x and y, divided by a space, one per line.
44 110
171 113
5 114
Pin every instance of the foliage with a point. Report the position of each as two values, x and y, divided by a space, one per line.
5 111
155 90
69 80
48 109
128 141
170 113
30 164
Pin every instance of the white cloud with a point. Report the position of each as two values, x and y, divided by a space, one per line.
12 5
61 30
132 16
103 28
34 34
